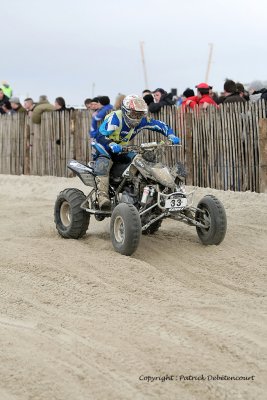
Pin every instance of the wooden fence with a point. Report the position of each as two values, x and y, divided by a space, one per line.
222 149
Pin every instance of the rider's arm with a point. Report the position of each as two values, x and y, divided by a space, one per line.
157 126
109 125
97 117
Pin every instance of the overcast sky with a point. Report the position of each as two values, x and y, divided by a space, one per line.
83 48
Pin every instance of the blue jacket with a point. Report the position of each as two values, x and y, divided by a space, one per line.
114 129
99 116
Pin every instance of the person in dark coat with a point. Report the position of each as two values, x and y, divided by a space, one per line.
231 94
60 105
161 99
241 90
148 98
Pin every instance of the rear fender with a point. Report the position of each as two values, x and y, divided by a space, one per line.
84 172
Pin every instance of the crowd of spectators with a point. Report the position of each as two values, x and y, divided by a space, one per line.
201 96
10 104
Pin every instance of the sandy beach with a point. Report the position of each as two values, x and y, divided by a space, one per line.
176 320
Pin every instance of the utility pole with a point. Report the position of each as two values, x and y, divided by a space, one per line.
93 89
143 62
209 63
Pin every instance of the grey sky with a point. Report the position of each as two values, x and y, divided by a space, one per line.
67 47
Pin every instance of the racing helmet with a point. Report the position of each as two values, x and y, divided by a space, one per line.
134 108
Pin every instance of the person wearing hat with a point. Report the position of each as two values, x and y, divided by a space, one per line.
3 100
203 97
16 105
161 98
6 89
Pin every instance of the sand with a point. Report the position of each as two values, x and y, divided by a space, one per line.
80 321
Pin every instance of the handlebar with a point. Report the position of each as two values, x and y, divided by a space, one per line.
148 146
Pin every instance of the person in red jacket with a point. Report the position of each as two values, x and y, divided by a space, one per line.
202 98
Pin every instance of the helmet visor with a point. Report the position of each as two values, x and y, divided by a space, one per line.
136 114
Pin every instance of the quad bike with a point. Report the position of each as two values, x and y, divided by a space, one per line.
143 192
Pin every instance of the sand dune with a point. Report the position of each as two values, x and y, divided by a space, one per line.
79 321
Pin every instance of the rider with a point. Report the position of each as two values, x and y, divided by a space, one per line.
118 128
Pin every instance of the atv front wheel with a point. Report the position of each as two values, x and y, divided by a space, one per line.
125 228
71 221
211 213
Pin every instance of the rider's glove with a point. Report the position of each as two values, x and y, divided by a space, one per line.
174 139
115 147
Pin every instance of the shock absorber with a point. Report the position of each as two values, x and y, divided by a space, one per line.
145 195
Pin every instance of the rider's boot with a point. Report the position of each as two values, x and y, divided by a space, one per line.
103 196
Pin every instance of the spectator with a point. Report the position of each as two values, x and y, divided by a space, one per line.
16 106
231 94
188 93
202 98
161 98
264 94
95 105
6 89
42 106
241 90
7 108
104 108
148 98
257 91
214 95
3 100
118 101
60 105
145 92
87 103
29 105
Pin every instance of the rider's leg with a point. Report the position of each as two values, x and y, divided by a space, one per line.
102 168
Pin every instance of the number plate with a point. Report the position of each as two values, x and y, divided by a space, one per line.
176 204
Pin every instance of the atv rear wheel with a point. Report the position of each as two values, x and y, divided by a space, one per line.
71 221
125 228
212 214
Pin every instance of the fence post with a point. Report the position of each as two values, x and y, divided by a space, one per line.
27 134
189 148
263 155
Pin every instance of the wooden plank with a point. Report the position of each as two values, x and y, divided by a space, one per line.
263 155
